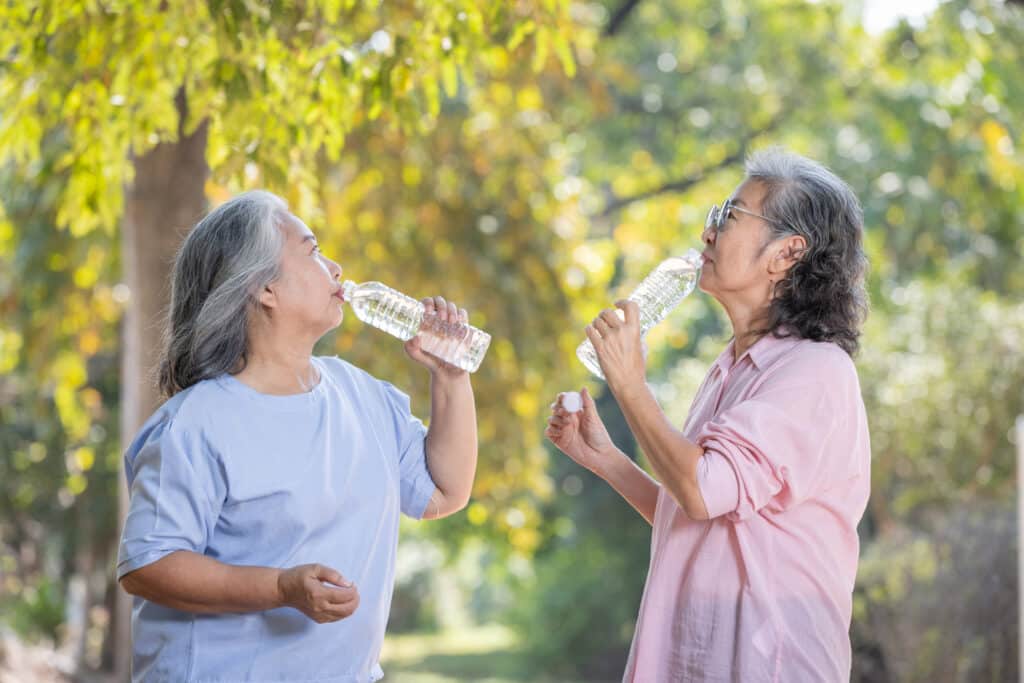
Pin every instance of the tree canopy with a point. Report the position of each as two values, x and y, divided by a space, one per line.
530 161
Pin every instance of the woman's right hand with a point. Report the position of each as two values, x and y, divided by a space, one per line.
581 435
304 588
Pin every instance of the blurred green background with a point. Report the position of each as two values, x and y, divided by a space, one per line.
530 160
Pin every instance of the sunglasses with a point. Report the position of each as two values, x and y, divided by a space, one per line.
718 215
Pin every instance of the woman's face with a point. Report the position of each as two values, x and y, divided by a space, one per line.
739 267
306 298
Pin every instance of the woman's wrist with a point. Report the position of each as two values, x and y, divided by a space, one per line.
282 599
609 461
628 391
445 379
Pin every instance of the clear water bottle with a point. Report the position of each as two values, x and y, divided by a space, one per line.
387 309
657 295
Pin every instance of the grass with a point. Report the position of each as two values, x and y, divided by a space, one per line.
485 654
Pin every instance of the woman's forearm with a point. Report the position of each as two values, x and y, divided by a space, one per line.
451 445
673 457
633 484
191 582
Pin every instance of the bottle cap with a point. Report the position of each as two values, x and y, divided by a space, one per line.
572 401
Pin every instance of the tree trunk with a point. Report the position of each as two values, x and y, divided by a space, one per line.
164 202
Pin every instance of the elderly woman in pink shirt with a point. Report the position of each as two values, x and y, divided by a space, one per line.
755 507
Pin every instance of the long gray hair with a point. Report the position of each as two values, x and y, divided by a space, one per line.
822 297
223 264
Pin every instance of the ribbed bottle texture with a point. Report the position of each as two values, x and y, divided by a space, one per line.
661 291
387 309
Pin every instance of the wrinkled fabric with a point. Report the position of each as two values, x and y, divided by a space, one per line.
252 479
762 591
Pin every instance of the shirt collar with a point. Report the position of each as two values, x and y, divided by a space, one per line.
763 352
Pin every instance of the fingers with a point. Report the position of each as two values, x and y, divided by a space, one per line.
557 406
444 310
611 317
414 349
334 604
324 602
631 309
560 421
330 575
588 402
341 596
441 307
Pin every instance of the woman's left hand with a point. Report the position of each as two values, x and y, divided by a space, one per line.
438 312
620 350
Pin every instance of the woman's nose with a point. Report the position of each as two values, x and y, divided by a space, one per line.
708 236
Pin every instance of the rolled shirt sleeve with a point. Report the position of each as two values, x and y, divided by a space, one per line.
772 448
177 490
416 484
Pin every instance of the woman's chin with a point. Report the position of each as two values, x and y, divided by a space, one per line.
334 320
703 283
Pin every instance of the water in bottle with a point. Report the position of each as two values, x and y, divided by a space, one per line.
387 309
657 295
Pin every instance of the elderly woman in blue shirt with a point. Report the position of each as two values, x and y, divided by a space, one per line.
265 493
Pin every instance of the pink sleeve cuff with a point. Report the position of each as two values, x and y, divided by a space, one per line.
718 484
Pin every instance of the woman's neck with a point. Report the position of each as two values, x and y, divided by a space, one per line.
748 323
278 366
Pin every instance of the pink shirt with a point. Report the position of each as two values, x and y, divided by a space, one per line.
763 590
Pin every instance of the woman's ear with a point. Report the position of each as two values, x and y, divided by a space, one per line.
789 250
267 297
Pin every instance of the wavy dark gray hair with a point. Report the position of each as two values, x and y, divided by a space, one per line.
224 262
822 297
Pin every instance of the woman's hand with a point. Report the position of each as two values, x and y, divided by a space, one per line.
442 314
303 587
581 435
620 350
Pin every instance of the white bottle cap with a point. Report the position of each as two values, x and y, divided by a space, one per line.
572 401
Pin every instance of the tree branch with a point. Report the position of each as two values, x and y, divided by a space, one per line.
680 185
686 183
619 17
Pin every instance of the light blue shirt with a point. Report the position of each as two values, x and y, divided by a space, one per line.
252 479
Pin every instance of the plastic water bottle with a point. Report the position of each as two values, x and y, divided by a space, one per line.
657 295
387 309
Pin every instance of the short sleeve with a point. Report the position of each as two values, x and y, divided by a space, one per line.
773 448
176 488
410 441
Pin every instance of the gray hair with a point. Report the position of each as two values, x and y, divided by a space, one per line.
223 264
822 296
